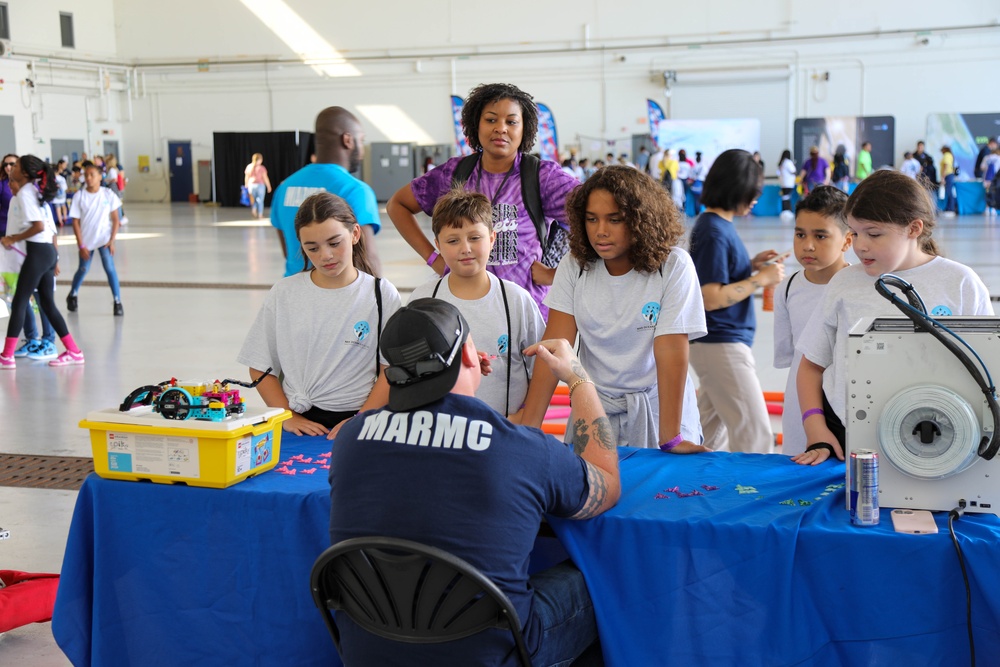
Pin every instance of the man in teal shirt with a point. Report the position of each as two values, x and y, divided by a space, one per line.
864 161
339 150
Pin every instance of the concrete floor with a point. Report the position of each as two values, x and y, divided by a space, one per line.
206 271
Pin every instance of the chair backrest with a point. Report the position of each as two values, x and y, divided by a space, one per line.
409 592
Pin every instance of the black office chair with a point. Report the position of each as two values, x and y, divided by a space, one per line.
409 592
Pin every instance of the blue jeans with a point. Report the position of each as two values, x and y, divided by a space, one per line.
950 201
31 329
566 613
257 192
109 268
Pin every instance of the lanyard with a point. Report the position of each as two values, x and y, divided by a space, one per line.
496 193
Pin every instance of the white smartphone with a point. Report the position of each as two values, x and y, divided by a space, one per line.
913 522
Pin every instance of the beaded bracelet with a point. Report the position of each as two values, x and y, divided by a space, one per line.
575 385
810 412
673 442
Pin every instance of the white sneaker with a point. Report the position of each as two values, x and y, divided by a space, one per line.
948 214
68 358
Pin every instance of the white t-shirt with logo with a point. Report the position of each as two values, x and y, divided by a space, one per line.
946 288
93 209
488 324
619 316
323 340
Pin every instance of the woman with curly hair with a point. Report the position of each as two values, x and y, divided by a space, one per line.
500 122
733 412
633 297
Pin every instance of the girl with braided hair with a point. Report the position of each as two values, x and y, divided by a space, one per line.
30 220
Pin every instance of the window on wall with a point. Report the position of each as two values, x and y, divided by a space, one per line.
66 28
4 23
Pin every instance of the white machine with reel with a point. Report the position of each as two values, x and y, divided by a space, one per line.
910 399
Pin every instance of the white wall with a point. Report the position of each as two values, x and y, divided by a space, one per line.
67 100
594 63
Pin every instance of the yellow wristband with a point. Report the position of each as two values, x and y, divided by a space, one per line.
575 385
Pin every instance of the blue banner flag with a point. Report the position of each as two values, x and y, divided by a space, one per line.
655 118
548 140
456 112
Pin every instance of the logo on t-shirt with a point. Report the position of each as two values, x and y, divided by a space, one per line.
502 343
940 311
362 330
650 312
505 225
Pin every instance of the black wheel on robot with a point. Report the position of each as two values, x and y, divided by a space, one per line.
175 404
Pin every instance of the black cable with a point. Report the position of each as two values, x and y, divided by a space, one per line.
952 515
989 446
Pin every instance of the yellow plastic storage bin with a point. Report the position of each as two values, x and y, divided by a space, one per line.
141 445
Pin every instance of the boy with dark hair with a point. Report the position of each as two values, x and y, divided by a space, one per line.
821 239
503 315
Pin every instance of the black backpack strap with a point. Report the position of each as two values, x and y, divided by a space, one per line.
788 285
378 331
463 170
510 343
531 195
436 288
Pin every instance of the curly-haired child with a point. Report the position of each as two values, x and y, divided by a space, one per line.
633 297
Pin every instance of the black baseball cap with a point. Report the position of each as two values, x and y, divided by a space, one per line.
422 344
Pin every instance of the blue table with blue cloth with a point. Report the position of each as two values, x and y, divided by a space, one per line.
715 559
751 560
185 576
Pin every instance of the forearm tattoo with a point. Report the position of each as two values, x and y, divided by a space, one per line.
597 496
602 431
580 436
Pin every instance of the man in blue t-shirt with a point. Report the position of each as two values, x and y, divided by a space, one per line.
439 466
339 150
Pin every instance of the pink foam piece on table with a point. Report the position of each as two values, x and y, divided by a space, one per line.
557 413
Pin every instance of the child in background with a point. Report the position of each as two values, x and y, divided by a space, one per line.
910 166
891 219
318 330
733 413
821 239
94 216
59 201
633 297
503 317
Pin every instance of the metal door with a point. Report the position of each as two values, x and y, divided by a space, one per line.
71 148
179 165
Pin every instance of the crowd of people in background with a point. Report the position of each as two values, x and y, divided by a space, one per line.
37 198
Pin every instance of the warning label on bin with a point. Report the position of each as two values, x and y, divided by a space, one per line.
141 454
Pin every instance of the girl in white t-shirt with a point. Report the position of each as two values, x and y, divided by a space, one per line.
30 220
891 219
94 216
318 330
635 301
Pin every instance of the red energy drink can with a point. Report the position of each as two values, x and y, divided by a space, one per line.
864 487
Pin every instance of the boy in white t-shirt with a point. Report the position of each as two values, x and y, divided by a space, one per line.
821 239
94 215
503 316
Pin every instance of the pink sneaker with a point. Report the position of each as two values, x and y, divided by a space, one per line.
68 358
7 363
